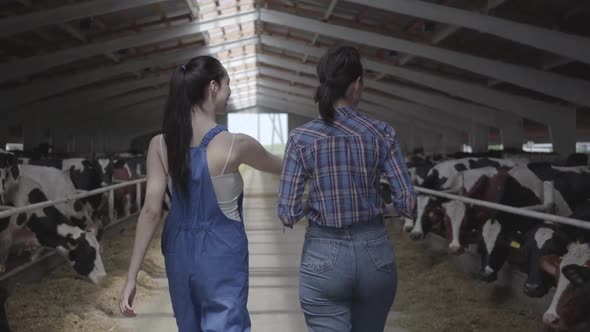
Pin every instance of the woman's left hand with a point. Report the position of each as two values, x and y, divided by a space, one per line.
126 302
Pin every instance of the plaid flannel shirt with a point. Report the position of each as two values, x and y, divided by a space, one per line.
343 161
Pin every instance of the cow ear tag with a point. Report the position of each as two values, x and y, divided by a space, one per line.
515 244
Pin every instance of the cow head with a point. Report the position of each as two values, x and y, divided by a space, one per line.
541 241
570 305
106 168
459 218
430 214
9 172
77 245
455 213
82 250
494 248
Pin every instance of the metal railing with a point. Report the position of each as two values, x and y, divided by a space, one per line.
10 210
530 211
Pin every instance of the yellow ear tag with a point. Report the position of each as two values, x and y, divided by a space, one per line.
515 244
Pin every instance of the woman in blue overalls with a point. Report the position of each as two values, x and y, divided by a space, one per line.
203 242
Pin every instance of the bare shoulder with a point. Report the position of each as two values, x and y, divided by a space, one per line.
247 146
157 145
245 142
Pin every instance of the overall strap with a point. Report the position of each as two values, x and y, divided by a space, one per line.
233 137
210 134
163 154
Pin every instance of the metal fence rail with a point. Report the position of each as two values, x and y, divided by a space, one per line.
10 211
50 260
525 212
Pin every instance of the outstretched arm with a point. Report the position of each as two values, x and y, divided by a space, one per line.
148 221
253 154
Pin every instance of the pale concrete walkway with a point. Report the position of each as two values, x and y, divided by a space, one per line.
274 265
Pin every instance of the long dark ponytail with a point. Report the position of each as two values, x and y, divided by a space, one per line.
188 87
337 69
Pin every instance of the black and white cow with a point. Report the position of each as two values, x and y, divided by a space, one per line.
446 176
50 229
86 175
523 186
570 305
419 168
4 327
550 239
55 184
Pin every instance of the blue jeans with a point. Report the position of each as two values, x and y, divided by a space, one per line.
348 278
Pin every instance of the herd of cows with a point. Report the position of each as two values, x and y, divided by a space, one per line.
551 254
74 228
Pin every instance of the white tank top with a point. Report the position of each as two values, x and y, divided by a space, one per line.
228 187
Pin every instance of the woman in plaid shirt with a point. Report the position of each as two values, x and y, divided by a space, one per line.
348 275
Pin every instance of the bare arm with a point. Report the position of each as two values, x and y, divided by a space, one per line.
253 154
148 221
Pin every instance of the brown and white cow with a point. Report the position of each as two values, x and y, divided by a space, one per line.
49 228
570 306
124 197
446 176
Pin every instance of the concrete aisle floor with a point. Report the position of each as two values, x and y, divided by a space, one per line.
274 265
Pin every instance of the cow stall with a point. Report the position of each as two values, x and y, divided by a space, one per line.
548 304
43 219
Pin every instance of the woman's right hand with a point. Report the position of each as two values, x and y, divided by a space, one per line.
126 301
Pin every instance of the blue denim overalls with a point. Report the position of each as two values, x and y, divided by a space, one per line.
206 255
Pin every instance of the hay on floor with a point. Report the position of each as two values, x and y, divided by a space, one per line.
65 302
435 295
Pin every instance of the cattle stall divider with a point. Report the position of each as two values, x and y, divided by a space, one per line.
34 270
531 211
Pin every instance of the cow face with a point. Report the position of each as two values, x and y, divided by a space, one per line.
570 305
541 241
494 249
9 173
82 250
106 168
454 217
430 214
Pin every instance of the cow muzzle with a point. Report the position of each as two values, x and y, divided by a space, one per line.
455 249
551 320
416 236
488 275
533 290
97 277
